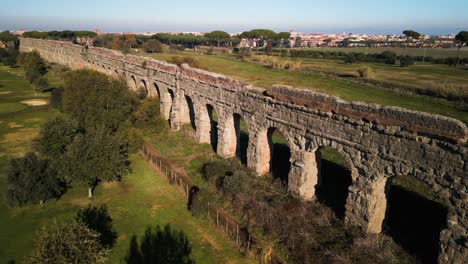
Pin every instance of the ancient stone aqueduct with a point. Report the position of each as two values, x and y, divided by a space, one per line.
378 142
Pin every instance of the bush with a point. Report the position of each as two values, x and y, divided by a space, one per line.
98 220
350 58
215 170
236 183
40 84
148 111
389 57
245 54
10 60
141 93
200 203
406 61
55 99
178 60
366 72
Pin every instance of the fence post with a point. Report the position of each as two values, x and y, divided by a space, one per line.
217 217
237 234
227 225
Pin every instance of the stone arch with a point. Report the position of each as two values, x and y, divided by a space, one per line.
188 111
144 86
277 164
425 216
116 72
241 139
133 83
156 91
334 177
213 127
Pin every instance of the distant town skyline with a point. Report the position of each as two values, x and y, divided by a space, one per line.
371 17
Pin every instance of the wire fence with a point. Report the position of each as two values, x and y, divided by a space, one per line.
225 222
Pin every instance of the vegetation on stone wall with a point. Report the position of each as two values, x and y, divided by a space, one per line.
308 232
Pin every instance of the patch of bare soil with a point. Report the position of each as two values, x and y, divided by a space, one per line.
35 102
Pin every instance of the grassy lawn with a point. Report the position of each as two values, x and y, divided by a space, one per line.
430 52
264 77
423 76
140 200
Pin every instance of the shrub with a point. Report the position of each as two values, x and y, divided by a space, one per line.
200 203
245 54
350 58
236 183
293 65
366 72
178 60
98 220
389 57
215 170
40 84
55 99
141 93
406 61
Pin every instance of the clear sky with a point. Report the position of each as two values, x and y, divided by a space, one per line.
362 16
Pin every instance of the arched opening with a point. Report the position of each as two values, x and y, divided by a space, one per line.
156 88
116 73
333 179
242 138
191 112
133 83
415 217
213 127
280 154
143 89
170 104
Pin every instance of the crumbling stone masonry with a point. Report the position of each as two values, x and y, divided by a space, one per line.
378 142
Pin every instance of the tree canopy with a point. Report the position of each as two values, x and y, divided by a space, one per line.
55 136
218 37
31 180
71 242
411 34
94 99
7 38
94 157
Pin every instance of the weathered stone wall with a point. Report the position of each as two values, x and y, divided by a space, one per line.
378 142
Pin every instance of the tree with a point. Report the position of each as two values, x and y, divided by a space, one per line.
462 39
411 34
71 242
55 136
94 157
217 36
152 46
130 40
8 39
327 41
31 180
93 99
160 245
99 220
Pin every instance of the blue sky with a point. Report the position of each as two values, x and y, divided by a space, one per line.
364 16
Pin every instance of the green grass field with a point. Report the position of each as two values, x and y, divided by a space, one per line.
430 52
264 77
140 200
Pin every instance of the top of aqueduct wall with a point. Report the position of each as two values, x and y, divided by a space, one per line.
419 123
